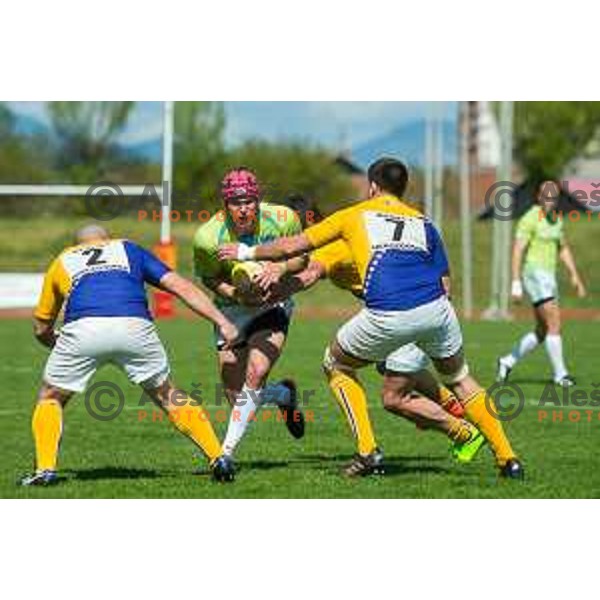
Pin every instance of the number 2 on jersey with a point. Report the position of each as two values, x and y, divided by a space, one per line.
94 259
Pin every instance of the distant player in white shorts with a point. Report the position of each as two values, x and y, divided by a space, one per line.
401 260
101 283
539 243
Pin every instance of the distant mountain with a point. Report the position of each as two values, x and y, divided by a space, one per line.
150 151
26 125
405 141
408 143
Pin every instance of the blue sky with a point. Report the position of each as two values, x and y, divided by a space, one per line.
329 123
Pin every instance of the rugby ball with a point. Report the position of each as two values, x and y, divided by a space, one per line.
242 276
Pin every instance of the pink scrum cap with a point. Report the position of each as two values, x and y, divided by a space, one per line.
240 183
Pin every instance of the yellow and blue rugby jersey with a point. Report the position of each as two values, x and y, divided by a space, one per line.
104 279
336 258
398 252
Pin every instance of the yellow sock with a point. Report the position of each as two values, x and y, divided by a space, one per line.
46 425
352 399
490 427
194 422
460 431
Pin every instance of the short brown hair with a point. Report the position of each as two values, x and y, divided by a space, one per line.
390 175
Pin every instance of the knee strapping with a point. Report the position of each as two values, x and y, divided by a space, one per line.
331 363
458 376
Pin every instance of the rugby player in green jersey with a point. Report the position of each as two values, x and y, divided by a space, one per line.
539 243
264 325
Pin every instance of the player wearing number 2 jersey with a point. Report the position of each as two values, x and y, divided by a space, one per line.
401 260
101 283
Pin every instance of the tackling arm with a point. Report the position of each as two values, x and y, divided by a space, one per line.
199 302
221 288
296 264
280 249
286 247
299 282
230 292
273 272
311 275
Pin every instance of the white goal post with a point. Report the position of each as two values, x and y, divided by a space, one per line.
127 190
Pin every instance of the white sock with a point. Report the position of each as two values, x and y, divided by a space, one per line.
247 403
278 394
525 345
555 353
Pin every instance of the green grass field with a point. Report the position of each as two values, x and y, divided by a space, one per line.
128 458
131 458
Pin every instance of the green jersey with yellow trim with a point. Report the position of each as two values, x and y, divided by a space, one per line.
274 221
543 236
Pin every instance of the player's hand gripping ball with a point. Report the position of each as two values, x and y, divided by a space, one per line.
242 277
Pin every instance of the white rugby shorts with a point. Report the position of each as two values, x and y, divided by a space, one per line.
407 359
373 335
86 344
540 285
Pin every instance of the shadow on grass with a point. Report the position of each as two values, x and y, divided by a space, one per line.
109 472
400 466
263 465
312 458
395 465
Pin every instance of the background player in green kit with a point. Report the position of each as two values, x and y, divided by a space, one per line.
263 325
539 243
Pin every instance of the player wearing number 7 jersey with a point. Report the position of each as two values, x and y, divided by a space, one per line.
401 260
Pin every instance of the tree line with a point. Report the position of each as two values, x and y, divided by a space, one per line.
81 146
